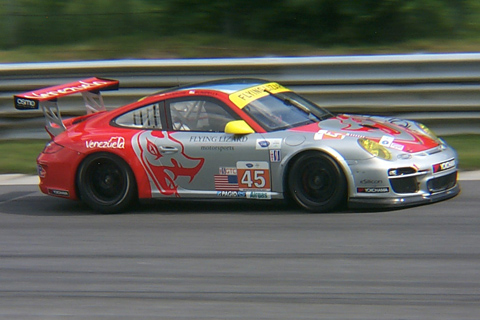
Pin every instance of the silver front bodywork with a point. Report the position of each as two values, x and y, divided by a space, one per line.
369 182
421 185
370 179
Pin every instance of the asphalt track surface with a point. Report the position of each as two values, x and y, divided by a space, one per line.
242 260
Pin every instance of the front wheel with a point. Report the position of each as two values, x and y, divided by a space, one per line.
317 183
106 183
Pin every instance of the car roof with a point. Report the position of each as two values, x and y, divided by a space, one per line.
227 86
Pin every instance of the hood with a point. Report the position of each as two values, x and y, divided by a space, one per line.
402 135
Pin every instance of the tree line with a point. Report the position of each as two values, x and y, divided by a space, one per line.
317 22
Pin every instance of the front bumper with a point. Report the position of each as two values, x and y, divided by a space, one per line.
409 180
404 201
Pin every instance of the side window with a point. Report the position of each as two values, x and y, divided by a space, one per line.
198 115
147 117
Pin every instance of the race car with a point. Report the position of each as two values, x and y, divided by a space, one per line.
237 139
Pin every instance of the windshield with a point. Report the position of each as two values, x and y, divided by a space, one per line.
284 110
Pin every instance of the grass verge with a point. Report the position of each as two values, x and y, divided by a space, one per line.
468 148
20 156
214 46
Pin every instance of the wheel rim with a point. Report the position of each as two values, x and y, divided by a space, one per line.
106 181
318 181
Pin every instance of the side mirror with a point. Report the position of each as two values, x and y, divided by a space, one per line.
238 127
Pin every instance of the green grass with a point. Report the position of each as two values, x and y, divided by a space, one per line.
214 46
184 46
468 148
20 156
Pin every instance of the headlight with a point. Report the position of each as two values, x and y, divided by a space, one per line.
375 149
427 131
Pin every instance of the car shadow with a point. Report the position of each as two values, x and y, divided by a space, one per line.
273 207
30 202
41 205
33 203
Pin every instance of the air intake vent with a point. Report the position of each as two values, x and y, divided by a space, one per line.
442 183
404 185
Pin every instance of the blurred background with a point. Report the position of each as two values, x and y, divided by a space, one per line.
443 94
89 29
208 260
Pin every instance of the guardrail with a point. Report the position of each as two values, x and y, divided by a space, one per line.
441 90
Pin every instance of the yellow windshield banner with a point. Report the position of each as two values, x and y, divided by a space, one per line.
243 97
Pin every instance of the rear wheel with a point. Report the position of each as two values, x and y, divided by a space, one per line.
317 183
106 183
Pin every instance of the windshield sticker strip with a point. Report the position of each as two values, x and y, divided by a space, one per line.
243 97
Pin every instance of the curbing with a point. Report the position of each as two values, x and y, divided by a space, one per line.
469 175
15 179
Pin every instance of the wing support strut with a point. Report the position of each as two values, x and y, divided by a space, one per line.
46 100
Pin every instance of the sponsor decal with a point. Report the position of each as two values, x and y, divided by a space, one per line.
232 194
217 148
261 144
215 139
113 143
259 195
328 135
25 104
397 146
444 166
228 170
82 85
163 169
268 144
61 193
371 181
253 175
246 176
226 182
374 190
275 156
243 97
386 141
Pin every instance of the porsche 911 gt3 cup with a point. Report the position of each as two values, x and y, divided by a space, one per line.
235 138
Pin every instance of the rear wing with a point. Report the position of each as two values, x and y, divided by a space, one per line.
46 99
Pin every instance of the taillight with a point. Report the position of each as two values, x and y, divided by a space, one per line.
42 171
52 147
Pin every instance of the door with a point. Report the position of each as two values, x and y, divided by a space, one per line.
207 161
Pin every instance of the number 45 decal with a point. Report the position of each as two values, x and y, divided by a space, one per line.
253 175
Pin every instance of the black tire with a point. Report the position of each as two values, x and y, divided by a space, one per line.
106 183
317 183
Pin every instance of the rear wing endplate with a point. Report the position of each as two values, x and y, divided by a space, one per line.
46 99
